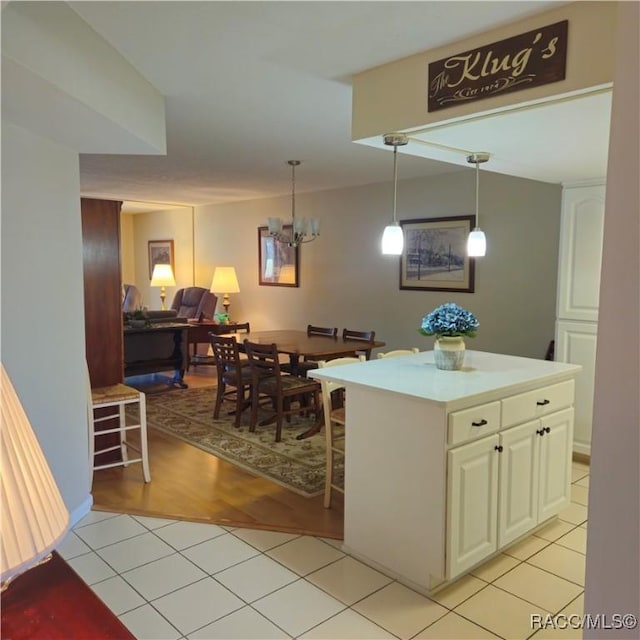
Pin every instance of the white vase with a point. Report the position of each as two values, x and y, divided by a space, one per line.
448 352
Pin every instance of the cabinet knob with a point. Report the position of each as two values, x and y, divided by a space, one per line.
541 403
547 429
540 432
479 424
499 448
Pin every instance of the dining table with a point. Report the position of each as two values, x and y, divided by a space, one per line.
299 344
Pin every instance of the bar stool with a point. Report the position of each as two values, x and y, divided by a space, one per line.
119 395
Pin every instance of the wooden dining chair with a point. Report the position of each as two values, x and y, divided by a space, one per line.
398 352
234 379
282 389
308 363
334 444
363 336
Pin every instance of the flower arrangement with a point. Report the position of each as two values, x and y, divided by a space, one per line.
137 318
449 320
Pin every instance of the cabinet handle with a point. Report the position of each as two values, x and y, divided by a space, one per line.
547 429
540 432
499 448
479 424
541 403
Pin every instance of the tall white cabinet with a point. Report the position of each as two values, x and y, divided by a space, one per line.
581 234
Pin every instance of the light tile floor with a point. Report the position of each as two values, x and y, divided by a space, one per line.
177 580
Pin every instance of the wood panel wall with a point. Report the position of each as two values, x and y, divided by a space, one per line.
102 290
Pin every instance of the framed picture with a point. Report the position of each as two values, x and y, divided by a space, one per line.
277 261
160 252
435 255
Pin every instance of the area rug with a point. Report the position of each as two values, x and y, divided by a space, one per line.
298 465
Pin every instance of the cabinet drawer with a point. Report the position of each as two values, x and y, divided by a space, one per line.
537 403
473 423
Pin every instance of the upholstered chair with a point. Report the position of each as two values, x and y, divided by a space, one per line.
131 297
190 302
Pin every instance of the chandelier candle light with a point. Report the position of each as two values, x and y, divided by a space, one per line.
392 238
477 242
301 230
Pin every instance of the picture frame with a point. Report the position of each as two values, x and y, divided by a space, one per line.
435 255
278 263
160 252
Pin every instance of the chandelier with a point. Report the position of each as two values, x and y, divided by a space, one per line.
301 232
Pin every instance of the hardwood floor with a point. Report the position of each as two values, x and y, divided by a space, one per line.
190 484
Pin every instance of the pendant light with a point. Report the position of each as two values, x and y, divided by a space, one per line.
476 242
392 238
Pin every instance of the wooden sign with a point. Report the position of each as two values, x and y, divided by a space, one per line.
528 60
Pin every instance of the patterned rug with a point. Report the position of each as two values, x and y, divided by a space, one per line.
298 465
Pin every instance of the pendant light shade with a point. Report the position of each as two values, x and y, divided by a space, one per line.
393 238
477 242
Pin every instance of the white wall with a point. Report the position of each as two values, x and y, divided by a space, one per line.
613 543
345 281
43 341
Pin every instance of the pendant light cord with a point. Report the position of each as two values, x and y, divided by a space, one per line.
395 181
477 194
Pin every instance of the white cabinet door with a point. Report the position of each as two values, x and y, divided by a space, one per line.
576 344
555 463
472 499
518 501
581 232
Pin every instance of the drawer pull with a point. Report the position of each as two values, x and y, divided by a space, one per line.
541 403
499 448
479 424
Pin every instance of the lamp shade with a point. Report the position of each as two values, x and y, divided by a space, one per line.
225 280
162 276
34 517
392 240
476 243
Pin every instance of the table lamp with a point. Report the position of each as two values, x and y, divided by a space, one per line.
34 517
162 277
225 281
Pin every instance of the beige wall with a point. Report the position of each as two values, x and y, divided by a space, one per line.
590 61
172 224
345 281
613 547
127 249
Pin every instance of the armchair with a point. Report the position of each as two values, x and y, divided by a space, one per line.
190 302
131 298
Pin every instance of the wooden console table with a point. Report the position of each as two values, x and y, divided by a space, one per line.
160 347
51 602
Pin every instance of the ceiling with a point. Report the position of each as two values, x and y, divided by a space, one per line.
250 85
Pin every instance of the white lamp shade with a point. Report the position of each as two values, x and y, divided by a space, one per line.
476 243
392 240
34 517
225 280
162 276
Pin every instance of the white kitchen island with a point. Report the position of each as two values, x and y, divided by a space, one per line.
443 469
